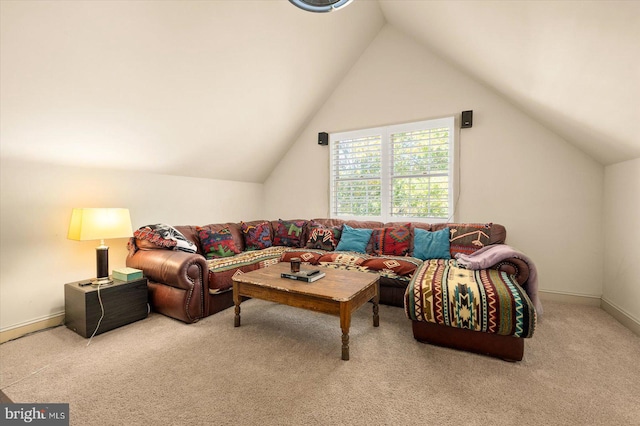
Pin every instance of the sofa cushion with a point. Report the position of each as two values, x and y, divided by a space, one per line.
392 241
217 244
289 233
343 258
222 270
164 236
431 245
353 239
311 256
323 237
257 236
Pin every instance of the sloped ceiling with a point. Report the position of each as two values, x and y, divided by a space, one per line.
572 65
222 89
215 89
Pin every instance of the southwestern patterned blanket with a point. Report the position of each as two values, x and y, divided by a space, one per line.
484 300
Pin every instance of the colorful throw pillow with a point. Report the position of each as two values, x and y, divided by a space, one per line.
391 241
289 233
217 244
469 237
354 239
431 245
166 236
256 237
323 238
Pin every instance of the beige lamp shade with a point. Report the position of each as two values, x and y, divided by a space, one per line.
99 224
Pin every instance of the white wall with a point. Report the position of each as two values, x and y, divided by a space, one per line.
515 172
622 237
37 259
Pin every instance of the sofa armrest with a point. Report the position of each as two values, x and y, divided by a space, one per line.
178 282
175 268
514 266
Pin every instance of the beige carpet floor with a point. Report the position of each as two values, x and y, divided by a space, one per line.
283 366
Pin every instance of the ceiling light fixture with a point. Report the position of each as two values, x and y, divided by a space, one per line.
320 5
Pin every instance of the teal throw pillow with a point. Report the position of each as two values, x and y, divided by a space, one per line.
431 245
354 239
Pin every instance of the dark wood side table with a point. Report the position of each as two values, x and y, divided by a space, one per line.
124 302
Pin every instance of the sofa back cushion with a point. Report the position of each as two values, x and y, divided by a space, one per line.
468 237
370 224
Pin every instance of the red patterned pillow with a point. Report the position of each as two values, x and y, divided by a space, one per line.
393 241
257 237
404 266
309 256
289 233
217 244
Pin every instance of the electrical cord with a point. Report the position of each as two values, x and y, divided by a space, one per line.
101 315
458 180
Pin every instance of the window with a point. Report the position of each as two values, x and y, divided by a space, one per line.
394 173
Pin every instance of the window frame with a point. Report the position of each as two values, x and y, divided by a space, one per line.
385 133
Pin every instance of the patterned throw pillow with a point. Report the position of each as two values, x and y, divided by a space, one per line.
393 241
468 237
289 233
217 244
256 237
163 235
323 238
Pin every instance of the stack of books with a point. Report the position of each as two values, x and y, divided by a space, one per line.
307 276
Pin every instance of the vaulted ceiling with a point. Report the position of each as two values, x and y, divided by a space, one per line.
572 65
222 89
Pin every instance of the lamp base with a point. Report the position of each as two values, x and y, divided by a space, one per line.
101 281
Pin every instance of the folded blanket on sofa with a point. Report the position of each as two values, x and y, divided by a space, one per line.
490 255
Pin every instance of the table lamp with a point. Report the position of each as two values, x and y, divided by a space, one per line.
100 224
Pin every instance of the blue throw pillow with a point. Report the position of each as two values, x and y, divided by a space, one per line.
354 239
431 245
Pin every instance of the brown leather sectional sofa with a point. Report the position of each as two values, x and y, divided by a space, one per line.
188 287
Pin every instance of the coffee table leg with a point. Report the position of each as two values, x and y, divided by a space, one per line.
345 324
345 346
236 300
376 317
376 301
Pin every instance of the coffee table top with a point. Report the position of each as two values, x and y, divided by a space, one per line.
338 285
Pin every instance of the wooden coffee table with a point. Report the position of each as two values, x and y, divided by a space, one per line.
339 293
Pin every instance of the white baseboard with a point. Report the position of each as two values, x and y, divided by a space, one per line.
609 307
31 326
573 298
621 315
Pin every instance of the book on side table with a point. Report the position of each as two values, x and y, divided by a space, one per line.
126 274
308 276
